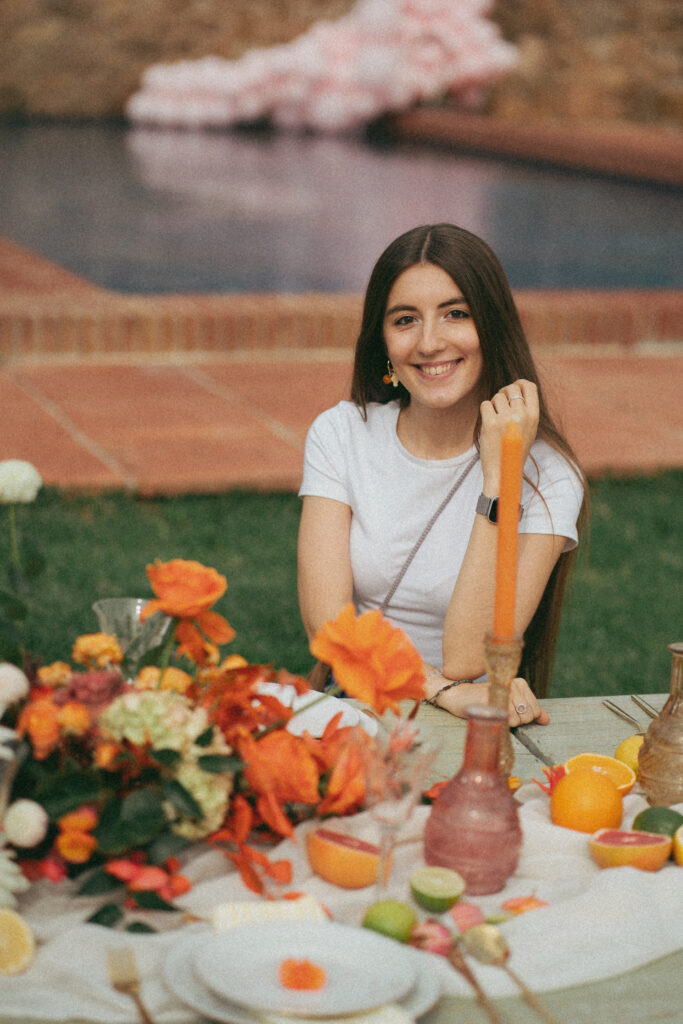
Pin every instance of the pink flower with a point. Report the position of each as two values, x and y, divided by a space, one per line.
94 689
433 936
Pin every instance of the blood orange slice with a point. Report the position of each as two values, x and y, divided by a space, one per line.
342 859
616 848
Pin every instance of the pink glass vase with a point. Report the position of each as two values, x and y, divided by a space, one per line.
473 826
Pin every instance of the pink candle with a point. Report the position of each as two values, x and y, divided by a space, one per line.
508 523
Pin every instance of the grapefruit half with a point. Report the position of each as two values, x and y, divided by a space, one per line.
616 848
342 859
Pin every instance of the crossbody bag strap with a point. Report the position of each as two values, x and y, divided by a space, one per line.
404 568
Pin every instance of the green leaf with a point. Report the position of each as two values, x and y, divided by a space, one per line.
204 738
108 915
152 901
134 822
168 758
166 845
219 763
182 800
98 883
140 927
64 793
142 816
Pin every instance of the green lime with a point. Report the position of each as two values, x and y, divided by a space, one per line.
662 820
392 918
436 889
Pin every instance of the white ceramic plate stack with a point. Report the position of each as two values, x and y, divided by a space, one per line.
233 977
314 710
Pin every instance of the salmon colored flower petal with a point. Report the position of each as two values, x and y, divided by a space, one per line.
371 659
215 627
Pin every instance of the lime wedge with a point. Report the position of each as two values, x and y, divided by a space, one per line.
436 889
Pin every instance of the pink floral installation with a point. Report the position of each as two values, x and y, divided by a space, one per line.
384 56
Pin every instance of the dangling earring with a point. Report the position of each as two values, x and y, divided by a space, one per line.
390 376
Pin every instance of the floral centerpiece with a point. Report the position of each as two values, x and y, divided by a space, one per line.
116 777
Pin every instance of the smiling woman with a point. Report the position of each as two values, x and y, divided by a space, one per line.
442 367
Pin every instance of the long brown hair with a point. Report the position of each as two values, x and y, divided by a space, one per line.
506 357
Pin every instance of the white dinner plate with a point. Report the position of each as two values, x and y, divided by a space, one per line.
363 969
322 709
187 986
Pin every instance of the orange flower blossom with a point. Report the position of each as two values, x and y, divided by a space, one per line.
97 650
186 590
371 659
40 720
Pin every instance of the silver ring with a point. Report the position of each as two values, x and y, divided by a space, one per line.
517 398
520 708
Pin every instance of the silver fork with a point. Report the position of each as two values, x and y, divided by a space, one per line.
644 706
615 709
124 977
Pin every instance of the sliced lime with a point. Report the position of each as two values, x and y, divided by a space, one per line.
392 918
436 889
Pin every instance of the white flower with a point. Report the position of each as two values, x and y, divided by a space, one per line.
11 878
25 823
19 482
13 685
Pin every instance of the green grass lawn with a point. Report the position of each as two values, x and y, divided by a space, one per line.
623 610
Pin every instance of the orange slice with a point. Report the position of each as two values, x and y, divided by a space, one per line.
623 777
616 848
17 944
342 859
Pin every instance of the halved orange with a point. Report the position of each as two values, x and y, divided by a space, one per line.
623 777
17 944
616 848
585 801
342 859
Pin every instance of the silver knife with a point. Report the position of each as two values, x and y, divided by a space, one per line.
532 747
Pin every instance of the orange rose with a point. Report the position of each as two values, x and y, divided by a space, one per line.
40 720
371 659
183 589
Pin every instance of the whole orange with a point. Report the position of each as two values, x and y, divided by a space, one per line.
585 801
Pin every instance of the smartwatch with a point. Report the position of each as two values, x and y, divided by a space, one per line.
488 508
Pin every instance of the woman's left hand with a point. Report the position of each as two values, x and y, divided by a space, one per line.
519 402
523 707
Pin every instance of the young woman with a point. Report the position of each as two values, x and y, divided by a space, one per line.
441 367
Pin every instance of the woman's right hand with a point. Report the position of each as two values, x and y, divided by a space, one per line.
518 402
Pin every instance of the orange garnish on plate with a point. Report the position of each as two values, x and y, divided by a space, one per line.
302 974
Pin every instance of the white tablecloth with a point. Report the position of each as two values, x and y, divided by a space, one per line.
599 923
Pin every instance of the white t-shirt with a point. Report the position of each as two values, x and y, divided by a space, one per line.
393 495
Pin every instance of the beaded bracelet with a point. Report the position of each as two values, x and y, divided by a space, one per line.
434 698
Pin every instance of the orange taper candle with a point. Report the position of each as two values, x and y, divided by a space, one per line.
509 501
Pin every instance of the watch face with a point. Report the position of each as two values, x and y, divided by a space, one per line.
488 507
